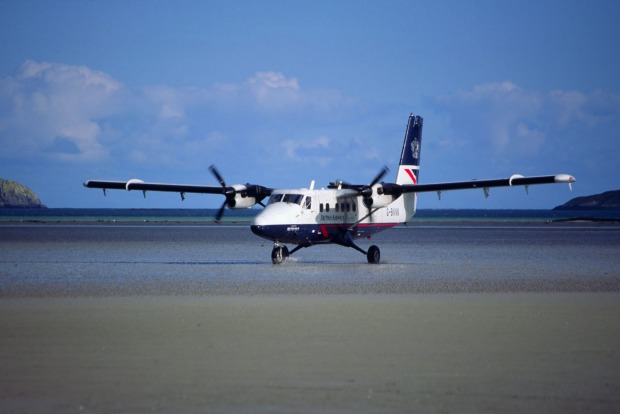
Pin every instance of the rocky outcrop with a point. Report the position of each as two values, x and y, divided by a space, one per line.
16 195
609 200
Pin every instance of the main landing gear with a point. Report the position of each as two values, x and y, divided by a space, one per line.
280 253
373 255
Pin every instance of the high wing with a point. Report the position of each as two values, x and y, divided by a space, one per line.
396 190
141 185
382 194
237 196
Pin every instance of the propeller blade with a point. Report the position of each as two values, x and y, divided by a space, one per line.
220 213
217 175
366 191
379 176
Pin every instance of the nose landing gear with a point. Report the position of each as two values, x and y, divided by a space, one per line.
279 254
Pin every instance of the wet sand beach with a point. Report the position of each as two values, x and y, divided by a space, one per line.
190 319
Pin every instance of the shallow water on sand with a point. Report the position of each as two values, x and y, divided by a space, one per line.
168 318
96 259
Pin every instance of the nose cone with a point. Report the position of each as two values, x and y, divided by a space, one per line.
270 222
258 226
259 220
260 223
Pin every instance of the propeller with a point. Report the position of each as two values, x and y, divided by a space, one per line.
255 191
366 191
228 192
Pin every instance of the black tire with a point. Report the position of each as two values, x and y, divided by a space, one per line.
279 254
373 255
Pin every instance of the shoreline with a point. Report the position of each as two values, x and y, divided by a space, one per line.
423 222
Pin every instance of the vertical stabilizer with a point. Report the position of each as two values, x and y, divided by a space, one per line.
409 166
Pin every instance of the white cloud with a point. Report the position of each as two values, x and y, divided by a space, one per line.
529 140
264 90
291 146
59 74
272 90
170 102
502 128
73 113
274 93
514 120
593 109
48 103
272 80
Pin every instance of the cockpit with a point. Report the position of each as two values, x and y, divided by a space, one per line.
291 199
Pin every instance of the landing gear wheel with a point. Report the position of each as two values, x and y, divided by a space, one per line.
279 254
373 255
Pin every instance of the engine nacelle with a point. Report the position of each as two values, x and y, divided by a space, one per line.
241 198
378 198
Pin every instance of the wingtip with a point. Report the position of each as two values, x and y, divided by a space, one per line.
564 178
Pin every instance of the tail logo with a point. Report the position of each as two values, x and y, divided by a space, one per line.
411 175
415 149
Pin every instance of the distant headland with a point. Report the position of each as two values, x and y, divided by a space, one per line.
609 200
16 195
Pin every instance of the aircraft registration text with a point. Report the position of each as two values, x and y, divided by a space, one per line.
392 212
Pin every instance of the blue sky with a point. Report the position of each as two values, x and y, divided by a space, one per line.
280 93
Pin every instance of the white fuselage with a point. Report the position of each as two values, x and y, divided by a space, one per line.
303 216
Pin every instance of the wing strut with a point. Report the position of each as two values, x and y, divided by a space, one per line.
352 226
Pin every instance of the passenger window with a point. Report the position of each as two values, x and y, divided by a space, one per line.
327 207
337 207
321 207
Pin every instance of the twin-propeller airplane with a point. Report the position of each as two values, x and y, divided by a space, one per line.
342 212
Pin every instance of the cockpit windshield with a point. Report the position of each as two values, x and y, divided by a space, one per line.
292 198
286 198
275 198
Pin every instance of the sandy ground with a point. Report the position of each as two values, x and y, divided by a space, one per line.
467 352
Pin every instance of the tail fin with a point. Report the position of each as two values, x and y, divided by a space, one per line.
409 167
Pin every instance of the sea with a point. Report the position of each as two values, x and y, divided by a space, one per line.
246 215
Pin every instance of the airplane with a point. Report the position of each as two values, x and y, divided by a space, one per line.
342 212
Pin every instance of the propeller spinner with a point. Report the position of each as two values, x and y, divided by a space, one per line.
366 191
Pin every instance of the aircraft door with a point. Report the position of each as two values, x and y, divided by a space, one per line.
306 204
307 207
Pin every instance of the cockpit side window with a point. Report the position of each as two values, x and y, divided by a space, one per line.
308 203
